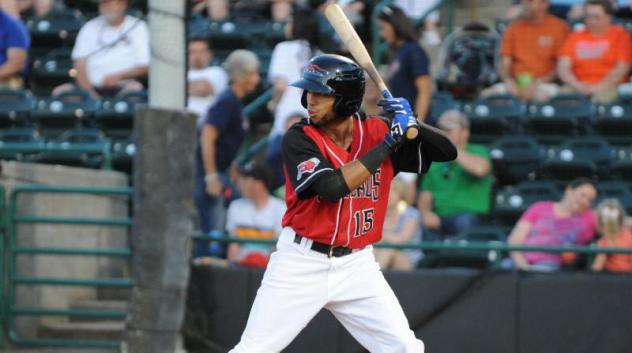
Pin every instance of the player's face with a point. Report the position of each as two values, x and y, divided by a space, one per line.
320 108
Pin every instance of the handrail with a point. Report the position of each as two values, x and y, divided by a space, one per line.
104 148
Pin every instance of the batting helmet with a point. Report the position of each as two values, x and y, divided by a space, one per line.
337 76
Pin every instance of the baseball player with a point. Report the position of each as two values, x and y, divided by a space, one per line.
338 167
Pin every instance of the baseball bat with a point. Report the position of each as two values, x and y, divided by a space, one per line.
354 44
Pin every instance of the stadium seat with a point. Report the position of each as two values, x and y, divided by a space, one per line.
614 121
116 115
77 138
16 142
65 111
439 103
515 158
622 167
51 70
15 107
224 34
56 29
562 116
493 116
619 190
512 201
584 156
123 150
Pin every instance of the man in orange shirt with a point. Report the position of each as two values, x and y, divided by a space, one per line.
529 52
597 59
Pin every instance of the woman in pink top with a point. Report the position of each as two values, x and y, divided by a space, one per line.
569 221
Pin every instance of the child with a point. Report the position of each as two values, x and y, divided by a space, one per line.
611 224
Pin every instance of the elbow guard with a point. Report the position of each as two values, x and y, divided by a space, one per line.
331 186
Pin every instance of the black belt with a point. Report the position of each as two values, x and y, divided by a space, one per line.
328 250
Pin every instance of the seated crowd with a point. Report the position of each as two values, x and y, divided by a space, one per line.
541 56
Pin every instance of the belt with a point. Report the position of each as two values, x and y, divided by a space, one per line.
328 250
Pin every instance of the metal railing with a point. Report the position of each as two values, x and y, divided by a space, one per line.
63 148
13 218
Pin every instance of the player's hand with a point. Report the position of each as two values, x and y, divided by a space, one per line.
396 105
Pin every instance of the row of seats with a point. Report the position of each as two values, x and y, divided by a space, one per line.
69 110
551 122
76 147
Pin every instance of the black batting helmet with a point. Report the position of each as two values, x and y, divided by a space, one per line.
337 76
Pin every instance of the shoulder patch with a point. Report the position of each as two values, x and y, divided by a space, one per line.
307 167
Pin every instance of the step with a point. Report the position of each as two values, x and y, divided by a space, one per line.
102 330
95 304
107 293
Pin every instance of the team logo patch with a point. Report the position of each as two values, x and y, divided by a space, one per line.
307 167
315 70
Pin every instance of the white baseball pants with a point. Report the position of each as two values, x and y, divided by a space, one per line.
299 282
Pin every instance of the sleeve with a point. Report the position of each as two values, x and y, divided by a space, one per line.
303 160
624 48
419 61
219 115
140 36
567 47
415 156
17 36
506 45
84 43
532 214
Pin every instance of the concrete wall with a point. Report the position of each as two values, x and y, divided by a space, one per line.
67 205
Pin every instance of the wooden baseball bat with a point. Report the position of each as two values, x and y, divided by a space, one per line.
354 44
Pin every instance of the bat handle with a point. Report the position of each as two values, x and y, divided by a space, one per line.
411 131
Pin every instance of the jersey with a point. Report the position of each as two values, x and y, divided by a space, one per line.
355 220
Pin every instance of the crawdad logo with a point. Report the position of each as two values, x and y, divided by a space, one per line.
315 70
307 167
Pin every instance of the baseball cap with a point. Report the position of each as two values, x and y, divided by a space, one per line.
258 171
453 119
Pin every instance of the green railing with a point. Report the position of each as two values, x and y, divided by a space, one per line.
3 317
379 47
14 278
62 148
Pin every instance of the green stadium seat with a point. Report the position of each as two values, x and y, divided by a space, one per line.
583 156
73 139
512 201
123 151
65 111
15 142
55 29
618 190
116 115
493 116
614 121
237 34
15 107
622 167
562 116
51 70
516 158
440 102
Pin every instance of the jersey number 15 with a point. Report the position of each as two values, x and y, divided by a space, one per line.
363 222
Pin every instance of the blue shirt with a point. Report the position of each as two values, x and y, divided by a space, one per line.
409 63
13 34
227 117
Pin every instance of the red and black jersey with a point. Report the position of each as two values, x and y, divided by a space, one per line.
355 220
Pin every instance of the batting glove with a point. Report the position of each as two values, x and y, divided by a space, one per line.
396 105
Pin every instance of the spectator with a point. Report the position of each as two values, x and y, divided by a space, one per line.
257 215
37 8
220 138
528 52
547 223
219 10
455 194
614 232
14 45
401 226
409 74
417 8
596 60
111 52
204 81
